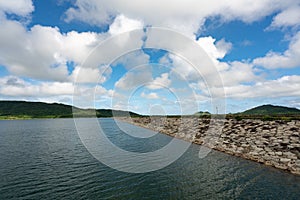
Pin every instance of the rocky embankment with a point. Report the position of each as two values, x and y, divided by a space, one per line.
274 143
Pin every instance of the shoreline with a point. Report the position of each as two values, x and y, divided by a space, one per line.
272 143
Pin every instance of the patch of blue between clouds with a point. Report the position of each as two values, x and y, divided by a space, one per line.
250 40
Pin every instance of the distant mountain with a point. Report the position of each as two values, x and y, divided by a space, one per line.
271 110
23 109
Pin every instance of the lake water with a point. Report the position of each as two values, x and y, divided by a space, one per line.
45 159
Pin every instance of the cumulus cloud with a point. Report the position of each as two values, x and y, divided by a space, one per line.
151 95
123 24
239 73
12 87
216 50
35 53
288 59
162 81
183 69
286 86
133 59
140 77
43 52
90 75
83 10
56 88
18 7
287 18
135 78
168 12
15 86
237 77
180 68
229 73
77 46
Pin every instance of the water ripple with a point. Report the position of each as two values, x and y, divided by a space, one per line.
45 159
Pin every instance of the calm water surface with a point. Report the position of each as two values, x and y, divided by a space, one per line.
45 159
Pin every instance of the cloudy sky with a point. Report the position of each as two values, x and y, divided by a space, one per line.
103 53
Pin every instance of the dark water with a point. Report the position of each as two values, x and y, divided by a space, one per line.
45 159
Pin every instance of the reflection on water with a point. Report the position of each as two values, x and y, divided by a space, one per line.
45 159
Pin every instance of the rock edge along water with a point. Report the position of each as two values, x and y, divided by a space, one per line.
273 143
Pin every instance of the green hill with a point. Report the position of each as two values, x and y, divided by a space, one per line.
271 110
203 114
23 109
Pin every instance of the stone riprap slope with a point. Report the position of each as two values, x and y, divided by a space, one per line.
274 143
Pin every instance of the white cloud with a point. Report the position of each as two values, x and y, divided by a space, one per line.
189 14
18 7
14 86
56 88
115 46
160 82
133 59
123 24
77 46
187 25
180 68
286 86
34 54
87 12
86 75
237 73
216 50
151 95
142 77
288 17
43 52
288 59
135 78
90 75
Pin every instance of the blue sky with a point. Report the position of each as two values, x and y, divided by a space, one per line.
47 48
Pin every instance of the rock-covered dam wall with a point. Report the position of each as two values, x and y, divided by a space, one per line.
273 143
